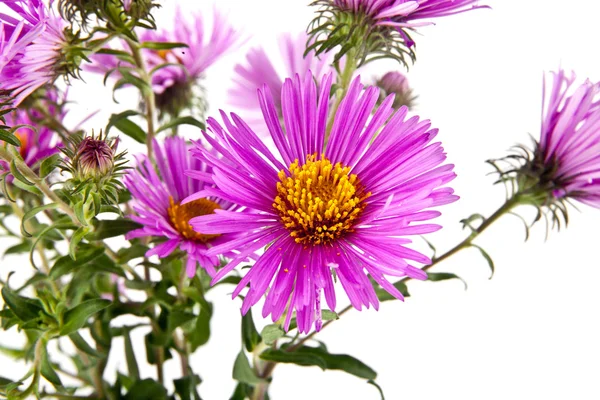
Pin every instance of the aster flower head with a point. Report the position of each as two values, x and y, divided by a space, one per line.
174 85
259 70
396 83
37 140
341 211
376 28
95 166
565 163
35 48
157 201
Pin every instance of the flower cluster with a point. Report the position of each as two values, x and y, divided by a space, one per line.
35 48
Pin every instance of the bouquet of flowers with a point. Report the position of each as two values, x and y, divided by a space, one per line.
310 189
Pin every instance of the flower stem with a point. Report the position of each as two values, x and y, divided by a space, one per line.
147 93
39 183
343 81
467 242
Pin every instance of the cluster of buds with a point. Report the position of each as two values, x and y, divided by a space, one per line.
95 166
117 14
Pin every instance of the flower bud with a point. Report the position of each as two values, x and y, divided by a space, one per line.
95 157
396 83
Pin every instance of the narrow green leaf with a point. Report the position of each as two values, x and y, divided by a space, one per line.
372 382
242 371
129 253
271 333
110 228
186 387
487 258
19 248
147 389
383 295
342 362
250 335
25 309
49 164
182 121
76 318
444 276
296 357
201 333
32 213
4 382
18 175
66 264
76 239
9 138
122 122
84 346
178 318
162 45
49 373
132 366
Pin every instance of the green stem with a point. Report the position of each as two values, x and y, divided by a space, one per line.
39 183
147 94
343 81
467 242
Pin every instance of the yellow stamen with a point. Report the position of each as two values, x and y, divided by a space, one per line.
180 216
23 139
319 202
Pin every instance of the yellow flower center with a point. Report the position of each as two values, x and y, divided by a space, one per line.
23 139
319 202
180 216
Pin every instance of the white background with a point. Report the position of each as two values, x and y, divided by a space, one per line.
529 333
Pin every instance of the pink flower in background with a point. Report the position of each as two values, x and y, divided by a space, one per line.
173 85
346 209
259 70
31 46
157 200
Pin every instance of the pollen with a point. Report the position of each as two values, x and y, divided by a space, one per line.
319 202
24 143
180 215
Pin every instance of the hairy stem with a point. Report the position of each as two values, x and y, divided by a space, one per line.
39 183
147 93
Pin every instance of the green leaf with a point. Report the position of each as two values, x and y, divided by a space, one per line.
271 333
372 382
201 333
132 366
383 295
341 362
4 382
84 346
122 122
182 121
49 373
178 318
18 175
19 248
186 387
250 335
487 258
49 164
9 138
66 264
295 357
444 276
77 317
24 308
129 253
242 371
110 228
162 45
32 213
328 315
76 239
147 389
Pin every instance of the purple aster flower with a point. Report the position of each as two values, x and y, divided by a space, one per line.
341 211
259 70
569 148
31 47
37 140
173 85
157 202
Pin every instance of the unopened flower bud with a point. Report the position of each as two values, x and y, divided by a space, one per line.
95 156
396 83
